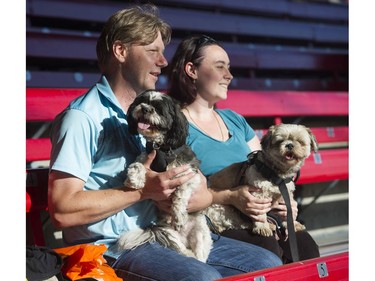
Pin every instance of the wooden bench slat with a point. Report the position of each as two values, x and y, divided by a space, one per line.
181 19
45 104
74 47
330 268
38 149
268 103
318 11
286 103
72 79
326 165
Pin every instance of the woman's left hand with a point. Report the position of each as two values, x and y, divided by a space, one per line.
279 208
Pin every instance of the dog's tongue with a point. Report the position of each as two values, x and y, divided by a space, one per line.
289 156
143 126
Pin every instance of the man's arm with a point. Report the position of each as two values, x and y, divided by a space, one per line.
70 205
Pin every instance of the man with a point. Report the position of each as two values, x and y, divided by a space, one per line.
91 149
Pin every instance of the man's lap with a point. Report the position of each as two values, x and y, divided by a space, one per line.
228 257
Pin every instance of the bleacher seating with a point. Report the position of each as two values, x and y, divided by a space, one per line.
43 104
273 45
289 60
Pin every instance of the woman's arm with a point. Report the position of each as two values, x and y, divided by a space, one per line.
242 199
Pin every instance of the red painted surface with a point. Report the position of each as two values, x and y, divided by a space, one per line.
332 268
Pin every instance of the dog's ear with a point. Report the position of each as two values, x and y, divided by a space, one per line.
180 126
313 141
267 138
132 123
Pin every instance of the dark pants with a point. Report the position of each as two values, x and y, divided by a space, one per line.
307 248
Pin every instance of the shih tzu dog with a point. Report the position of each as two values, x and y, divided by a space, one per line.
284 150
159 119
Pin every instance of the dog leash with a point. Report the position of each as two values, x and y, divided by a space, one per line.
281 183
291 232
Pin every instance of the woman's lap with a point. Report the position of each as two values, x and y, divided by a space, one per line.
307 247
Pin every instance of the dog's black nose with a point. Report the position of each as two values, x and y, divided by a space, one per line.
289 146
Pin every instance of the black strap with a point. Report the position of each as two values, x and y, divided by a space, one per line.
268 173
291 233
164 156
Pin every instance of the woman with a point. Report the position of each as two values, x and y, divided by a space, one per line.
199 77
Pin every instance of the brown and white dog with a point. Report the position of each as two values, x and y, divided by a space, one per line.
284 150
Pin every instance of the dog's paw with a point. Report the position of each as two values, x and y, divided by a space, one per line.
298 226
262 229
136 176
273 227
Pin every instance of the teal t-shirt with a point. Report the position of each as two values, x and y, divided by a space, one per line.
216 155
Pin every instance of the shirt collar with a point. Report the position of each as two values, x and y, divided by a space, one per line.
105 89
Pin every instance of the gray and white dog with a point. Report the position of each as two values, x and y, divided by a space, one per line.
159 119
284 150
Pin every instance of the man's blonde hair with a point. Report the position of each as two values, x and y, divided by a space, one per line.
138 25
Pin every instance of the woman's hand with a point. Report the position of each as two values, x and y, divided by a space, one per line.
279 208
250 205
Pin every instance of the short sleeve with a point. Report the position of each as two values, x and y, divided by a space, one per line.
73 140
243 125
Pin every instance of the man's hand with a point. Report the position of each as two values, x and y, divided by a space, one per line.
199 200
160 186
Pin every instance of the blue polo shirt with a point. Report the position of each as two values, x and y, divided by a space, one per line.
90 140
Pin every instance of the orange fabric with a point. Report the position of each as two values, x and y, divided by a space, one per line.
86 260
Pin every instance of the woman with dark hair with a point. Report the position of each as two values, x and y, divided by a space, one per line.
199 77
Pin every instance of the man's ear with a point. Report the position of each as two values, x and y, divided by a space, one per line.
191 70
119 51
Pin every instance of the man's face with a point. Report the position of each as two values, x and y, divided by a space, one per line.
143 65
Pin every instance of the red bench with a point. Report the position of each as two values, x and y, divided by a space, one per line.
42 105
330 268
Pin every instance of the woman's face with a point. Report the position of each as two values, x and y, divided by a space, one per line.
213 75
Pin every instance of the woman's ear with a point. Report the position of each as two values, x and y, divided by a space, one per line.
119 51
191 70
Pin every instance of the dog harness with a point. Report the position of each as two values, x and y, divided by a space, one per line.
163 158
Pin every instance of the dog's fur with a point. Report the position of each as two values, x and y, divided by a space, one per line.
284 150
159 119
